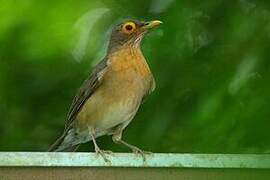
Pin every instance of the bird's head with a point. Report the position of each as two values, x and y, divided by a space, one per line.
130 33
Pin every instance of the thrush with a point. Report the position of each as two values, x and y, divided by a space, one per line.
110 97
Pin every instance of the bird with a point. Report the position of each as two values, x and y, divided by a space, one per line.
109 98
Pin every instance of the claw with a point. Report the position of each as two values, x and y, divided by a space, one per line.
102 154
107 152
136 150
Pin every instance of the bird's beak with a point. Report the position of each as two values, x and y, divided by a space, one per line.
151 24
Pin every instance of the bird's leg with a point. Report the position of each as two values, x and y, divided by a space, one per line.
97 149
117 138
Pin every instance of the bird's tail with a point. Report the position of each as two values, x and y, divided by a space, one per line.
57 143
60 145
69 141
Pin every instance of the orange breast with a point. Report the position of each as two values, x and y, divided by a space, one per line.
129 59
125 83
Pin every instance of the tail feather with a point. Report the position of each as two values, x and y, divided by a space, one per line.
61 145
69 141
57 143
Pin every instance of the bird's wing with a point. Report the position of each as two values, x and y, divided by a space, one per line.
152 87
86 90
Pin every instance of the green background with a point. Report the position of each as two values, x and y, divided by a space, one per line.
210 60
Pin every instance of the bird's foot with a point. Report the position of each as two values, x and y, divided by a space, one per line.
103 153
137 150
107 152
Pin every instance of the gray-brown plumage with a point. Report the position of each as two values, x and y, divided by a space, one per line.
109 99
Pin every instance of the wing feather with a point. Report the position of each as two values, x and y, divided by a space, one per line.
85 91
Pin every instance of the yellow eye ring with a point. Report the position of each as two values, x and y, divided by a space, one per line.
128 27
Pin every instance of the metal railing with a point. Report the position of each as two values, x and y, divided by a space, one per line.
35 165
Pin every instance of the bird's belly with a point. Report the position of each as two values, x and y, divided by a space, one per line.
109 107
119 112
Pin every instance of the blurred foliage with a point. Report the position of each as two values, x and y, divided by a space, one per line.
210 60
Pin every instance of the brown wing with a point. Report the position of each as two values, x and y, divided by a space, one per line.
151 88
86 90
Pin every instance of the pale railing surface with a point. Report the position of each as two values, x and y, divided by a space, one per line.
45 165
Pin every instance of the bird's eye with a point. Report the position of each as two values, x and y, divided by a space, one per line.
129 27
